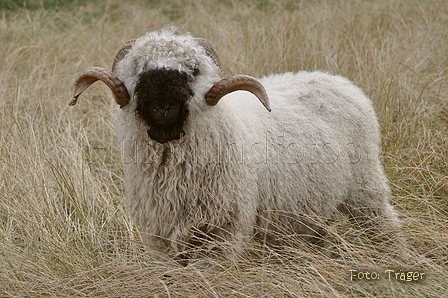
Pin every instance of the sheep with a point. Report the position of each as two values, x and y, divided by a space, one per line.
199 172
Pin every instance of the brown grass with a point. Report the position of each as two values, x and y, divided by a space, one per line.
64 229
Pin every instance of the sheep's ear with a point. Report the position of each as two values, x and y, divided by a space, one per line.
92 74
234 83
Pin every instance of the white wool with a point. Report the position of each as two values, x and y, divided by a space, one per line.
240 168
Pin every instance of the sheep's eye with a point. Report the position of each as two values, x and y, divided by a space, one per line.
195 71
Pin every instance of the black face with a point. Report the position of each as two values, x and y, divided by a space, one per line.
161 102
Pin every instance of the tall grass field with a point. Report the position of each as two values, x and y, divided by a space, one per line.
65 230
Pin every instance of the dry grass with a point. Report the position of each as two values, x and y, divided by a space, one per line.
64 230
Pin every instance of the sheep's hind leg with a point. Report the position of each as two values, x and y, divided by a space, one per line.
370 209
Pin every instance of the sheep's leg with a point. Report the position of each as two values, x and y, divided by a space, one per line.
368 206
379 219
279 228
204 245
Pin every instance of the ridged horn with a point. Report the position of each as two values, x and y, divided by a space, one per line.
210 51
122 53
92 74
234 83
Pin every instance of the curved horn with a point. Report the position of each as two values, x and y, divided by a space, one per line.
209 50
92 74
234 83
122 52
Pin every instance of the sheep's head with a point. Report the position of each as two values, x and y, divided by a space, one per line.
161 97
159 76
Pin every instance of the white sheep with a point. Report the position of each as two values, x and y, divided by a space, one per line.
197 173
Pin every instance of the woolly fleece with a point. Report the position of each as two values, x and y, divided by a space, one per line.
240 170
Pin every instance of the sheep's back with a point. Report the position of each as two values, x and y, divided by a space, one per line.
321 135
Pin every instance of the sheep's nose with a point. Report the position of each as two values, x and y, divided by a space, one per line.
164 114
161 112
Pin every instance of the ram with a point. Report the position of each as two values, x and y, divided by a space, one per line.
200 170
